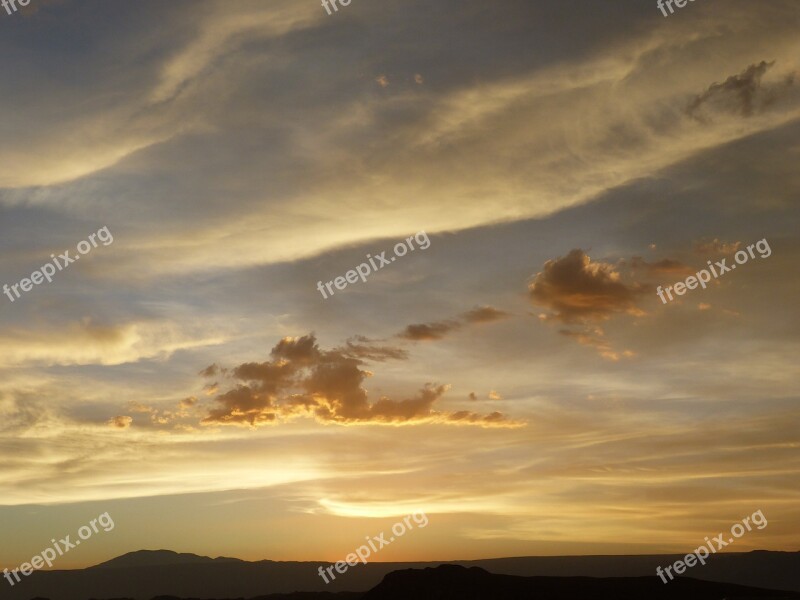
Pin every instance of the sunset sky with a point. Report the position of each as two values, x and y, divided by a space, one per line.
518 380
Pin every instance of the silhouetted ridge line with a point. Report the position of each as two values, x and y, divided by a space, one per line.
151 558
452 582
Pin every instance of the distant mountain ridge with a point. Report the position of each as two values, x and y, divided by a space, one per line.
151 558
147 574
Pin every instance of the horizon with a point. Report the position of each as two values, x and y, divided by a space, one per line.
378 561
425 282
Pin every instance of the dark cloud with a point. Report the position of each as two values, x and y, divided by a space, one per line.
577 289
492 395
742 94
669 265
302 350
362 347
188 402
484 314
420 405
466 417
439 329
210 371
580 292
429 331
303 380
243 404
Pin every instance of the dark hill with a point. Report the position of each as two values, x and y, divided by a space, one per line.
452 582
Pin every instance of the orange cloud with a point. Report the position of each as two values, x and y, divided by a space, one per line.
716 247
665 266
120 422
596 339
577 289
303 380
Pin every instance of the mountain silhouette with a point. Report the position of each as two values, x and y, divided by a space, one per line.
147 574
149 558
453 582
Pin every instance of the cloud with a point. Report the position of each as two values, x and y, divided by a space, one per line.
138 407
210 371
223 32
469 418
160 416
578 290
439 329
362 347
715 246
303 380
242 404
484 314
665 266
86 343
21 411
492 395
595 338
581 292
120 422
567 131
741 94
429 331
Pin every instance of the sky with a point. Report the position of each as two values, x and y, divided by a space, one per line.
515 376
